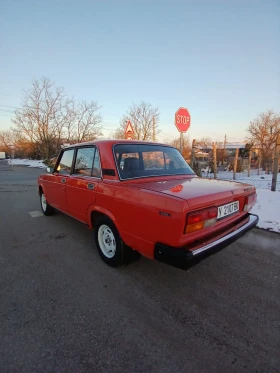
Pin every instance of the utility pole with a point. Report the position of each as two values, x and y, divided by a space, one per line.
193 153
154 129
235 163
224 152
249 161
214 160
276 164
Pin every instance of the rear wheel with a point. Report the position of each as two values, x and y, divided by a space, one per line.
46 208
109 243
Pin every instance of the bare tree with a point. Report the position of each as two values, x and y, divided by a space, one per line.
36 120
119 132
87 122
144 119
6 141
48 117
204 142
12 143
186 148
263 131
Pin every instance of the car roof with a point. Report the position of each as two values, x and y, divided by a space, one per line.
115 141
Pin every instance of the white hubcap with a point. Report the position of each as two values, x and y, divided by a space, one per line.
43 202
106 240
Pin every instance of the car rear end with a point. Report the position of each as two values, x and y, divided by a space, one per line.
212 221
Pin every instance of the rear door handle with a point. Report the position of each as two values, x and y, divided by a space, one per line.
90 186
63 180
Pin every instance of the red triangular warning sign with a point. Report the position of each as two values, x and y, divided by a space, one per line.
129 129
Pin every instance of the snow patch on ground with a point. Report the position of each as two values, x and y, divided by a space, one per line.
26 162
268 210
261 181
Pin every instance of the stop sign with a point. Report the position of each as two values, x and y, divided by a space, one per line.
182 119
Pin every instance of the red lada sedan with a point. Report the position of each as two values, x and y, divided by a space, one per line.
144 196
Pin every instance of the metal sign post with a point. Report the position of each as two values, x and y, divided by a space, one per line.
182 122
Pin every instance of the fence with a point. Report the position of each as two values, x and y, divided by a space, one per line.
239 168
260 179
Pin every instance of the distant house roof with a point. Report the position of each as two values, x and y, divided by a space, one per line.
201 154
229 145
235 145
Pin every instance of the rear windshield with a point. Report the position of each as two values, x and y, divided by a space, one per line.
136 160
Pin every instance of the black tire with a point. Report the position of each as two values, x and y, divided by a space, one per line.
119 251
46 208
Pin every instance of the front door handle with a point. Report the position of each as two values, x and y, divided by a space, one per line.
63 180
90 186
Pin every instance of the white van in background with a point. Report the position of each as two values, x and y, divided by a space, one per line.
2 155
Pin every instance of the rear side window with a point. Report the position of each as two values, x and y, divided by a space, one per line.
65 164
96 169
87 162
84 160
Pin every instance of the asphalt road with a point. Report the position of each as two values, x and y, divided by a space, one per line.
63 310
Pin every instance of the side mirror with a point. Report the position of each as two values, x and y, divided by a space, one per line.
49 170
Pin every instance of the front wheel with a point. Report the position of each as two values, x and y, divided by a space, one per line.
109 243
46 208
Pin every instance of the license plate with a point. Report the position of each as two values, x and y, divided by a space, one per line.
228 209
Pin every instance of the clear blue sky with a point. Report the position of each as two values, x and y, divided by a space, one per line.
218 58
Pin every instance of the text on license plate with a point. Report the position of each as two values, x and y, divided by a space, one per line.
228 209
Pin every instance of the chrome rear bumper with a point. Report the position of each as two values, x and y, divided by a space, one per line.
251 224
179 256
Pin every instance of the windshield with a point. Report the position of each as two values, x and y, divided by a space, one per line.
137 160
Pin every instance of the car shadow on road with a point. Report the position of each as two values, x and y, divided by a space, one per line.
78 231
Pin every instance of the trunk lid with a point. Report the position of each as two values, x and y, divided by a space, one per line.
199 192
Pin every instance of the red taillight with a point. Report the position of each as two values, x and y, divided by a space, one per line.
249 202
213 212
202 215
201 219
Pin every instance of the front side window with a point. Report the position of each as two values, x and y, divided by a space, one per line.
137 160
65 164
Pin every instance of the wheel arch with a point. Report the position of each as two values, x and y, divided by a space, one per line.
40 190
94 214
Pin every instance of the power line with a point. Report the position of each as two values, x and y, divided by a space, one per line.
4 94
18 108
105 125
6 111
12 107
